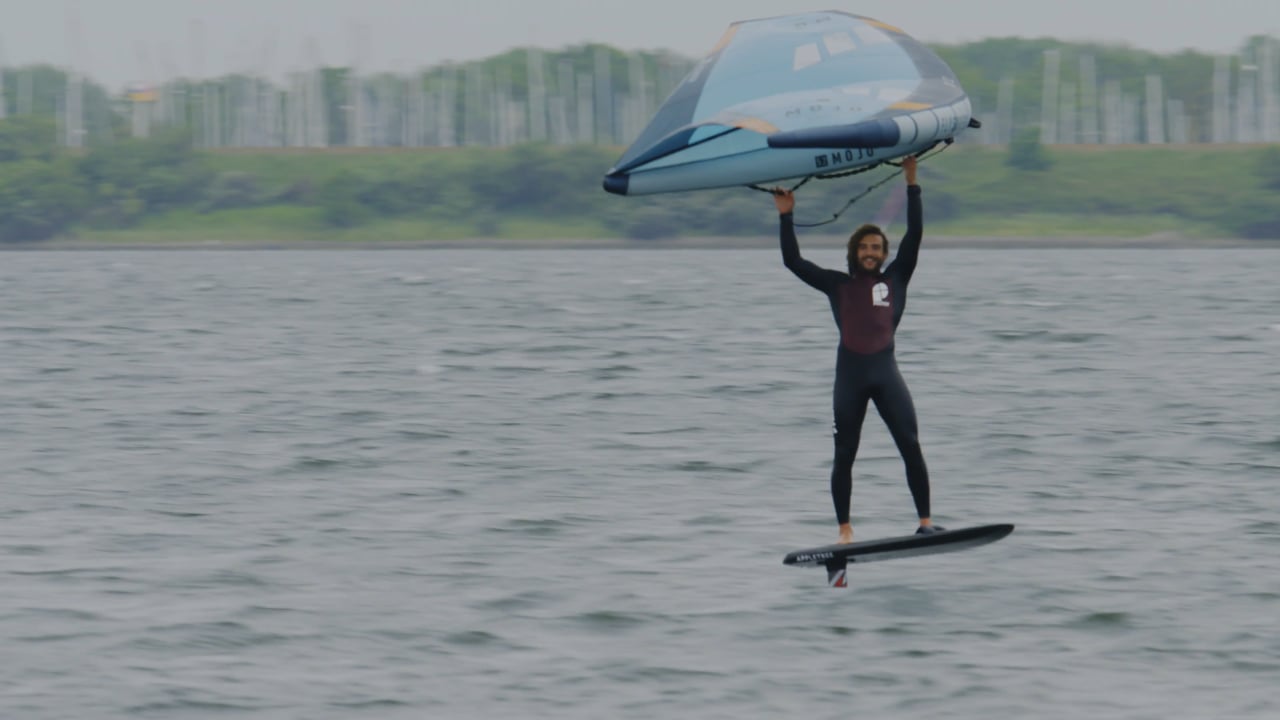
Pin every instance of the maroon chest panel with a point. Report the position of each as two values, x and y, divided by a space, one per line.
866 314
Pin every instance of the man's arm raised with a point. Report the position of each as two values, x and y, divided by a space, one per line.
909 249
817 277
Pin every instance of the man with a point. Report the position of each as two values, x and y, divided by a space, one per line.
867 304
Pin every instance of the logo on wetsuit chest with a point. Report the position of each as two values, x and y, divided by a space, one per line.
880 295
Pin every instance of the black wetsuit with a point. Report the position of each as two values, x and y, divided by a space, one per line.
867 309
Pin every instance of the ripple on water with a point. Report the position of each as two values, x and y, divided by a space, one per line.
212 635
1102 621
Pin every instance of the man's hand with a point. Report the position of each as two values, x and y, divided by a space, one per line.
909 168
785 200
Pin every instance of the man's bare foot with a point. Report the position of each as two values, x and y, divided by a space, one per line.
846 534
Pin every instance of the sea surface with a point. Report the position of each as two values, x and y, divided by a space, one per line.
560 484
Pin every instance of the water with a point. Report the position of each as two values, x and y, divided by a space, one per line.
559 484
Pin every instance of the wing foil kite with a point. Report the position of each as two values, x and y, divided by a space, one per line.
794 96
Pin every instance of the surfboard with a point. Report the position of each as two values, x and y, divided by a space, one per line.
836 558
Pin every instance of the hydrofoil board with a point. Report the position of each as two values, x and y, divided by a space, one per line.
836 558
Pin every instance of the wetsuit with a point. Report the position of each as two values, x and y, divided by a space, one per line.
867 309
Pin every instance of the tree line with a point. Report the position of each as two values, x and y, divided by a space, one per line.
46 192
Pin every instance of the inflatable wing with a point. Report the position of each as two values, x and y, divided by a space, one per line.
795 96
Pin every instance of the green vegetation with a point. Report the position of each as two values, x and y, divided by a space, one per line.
1026 152
162 190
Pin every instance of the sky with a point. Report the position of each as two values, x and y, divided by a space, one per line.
121 42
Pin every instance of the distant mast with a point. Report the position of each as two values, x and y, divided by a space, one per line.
604 98
1155 110
1049 98
537 88
3 114
561 117
1221 125
1246 104
355 91
1270 101
317 117
447 106
1089 101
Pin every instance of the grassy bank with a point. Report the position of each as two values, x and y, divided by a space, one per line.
546 194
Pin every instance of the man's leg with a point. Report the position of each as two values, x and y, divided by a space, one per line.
894 403
850 409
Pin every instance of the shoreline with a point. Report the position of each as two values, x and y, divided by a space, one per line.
1156 241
